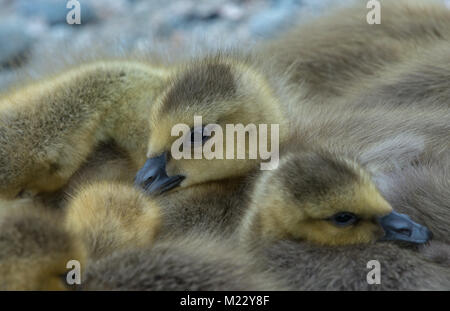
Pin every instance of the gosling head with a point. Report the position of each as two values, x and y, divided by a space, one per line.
181 151
317 197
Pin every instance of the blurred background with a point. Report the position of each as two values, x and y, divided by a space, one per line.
33 30
35 36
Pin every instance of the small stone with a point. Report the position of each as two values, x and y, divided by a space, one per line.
231 11
14 43
272 20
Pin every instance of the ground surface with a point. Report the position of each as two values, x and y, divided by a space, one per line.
38 29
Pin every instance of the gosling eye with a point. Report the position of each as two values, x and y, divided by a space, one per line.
197 133
344 219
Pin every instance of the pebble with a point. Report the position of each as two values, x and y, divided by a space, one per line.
14 42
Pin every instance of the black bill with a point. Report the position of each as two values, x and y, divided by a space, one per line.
152 177
400 227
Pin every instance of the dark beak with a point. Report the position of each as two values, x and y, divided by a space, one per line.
400 227
152 177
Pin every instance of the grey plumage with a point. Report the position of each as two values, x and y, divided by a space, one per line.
421 190
307 267
186 264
